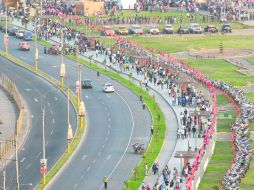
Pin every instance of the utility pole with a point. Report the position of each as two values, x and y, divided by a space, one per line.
36 46
43 146
6 31
17 161
62 67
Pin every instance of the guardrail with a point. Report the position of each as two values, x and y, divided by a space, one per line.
10 87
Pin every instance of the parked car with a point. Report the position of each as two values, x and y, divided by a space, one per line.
108 31
211 29
13 31
153 30
20 33
226 28
168 29
28 36
108 87
87 83
195 28
136 29
122 30
183 30
25 46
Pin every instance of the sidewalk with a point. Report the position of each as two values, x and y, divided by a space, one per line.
171 113
8 115
168 150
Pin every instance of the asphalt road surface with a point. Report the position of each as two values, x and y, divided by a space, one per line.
115 121
38 94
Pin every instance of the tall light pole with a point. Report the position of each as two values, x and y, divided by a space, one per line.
43 161
62 67
6 40
36 46
69 130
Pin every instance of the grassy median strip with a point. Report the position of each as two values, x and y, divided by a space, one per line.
81 122
158 122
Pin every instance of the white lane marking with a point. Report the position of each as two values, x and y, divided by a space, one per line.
133 124
23 159
109 119
48 104
86 97
103 146
102 102
23 149
109 125
88 169
75 186
28 89
108 131
54 66
37 156
55 98
81 177
99 153
106 138
51 112
47 143
28 166
108 114
108 157
32 116
35 99
53 121
94 161
51 132
84 157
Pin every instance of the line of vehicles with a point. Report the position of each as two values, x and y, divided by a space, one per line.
193 28
107 87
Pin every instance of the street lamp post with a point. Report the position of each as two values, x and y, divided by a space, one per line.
69 131
17 161
6 31
62 68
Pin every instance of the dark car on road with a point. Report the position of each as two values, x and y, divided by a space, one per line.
210 29
226 28
87 83
13 31
183 30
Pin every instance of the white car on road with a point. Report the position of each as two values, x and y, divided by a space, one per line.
108 87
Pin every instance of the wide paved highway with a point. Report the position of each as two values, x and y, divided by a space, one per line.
38 94
115 121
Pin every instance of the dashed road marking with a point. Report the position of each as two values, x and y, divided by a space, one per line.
108 157
28 89
106 138
47 143
55 98
51 132
37 156
23 159
81 177
109 125
108 131
28 166
99 153
94 161
75 186
103 146
109 119
88 169
86 97
84 157
53 121
36 100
